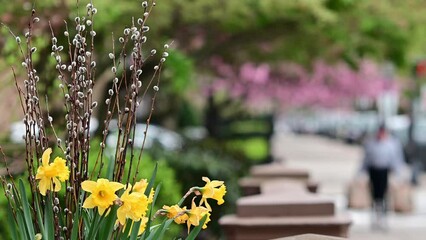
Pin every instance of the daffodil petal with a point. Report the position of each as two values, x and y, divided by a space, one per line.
102 181
193 204
56 184
89 203
165 207
39 174
140 186
46 156
121 215
43 186
207 220
143 225
151 196
62 169
194 219
188 224
219 193
116 186
101 210
205 179
59 160
216 183
88 186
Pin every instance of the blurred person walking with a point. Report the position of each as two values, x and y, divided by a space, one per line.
383 154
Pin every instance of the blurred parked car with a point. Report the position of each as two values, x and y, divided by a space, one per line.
359 125
398 126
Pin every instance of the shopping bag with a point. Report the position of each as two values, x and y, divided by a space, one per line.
400 196
359 192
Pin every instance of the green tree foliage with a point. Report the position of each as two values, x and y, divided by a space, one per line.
302 30
267 30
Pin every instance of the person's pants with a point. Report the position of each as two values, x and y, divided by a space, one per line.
379 187
378 182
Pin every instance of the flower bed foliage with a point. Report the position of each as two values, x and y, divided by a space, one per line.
76 193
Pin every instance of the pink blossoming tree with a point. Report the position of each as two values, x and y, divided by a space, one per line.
291 85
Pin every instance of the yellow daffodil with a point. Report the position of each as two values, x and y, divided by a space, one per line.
207 220
60 165
103 193
219 193
48 173
142 226
213 189
134 206
195 214
176 213
141 187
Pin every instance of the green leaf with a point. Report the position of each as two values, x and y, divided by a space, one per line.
151 180
135 230
49 230
159 233
197 229
125 234
148 224
154 199
12 226
86 220
74 233
147 192
39 214
93 227
22 225
108 224
96 223
26 209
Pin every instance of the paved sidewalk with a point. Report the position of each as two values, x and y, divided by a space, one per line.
334 164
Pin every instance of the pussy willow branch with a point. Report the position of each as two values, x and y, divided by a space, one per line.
77 91
77 81
35 135
148 120
139 63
